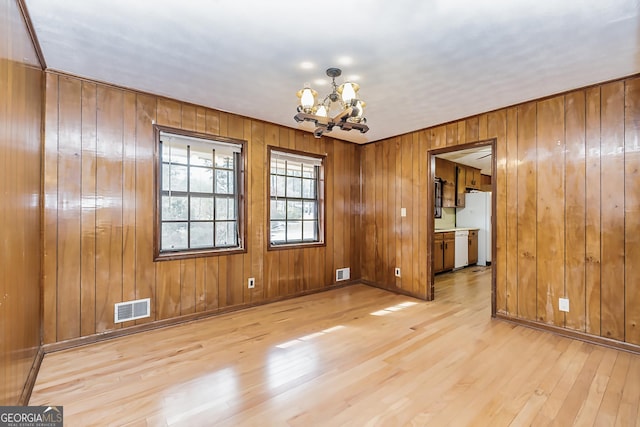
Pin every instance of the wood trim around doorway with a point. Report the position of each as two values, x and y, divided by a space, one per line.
431 161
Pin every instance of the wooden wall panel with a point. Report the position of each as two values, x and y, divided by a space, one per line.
612 210
632 211
550 210
129 200
592 212
88 213
109 182
50 215
108 133
146 107
575 200
69 203
566 200
511 206
21 89
496 124
526 212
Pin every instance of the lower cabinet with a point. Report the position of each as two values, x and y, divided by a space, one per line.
473 247
444 251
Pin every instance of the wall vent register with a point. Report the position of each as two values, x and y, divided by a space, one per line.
132 310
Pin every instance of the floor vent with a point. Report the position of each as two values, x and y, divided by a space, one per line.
343 274
132 310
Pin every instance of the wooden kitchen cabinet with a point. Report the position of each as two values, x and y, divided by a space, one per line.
461 173
472 178
449 252
444 251
473 247
446 171
438 253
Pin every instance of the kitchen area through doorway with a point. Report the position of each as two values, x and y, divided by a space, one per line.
463 207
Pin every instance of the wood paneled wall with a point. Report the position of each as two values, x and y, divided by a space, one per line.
20 181
567 206
98 218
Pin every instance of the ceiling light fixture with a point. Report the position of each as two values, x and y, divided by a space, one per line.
343 99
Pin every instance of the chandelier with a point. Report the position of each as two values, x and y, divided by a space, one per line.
343 99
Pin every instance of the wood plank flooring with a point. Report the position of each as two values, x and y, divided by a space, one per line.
352 356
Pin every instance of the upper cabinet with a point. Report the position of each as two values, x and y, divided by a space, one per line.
472 179
461 171
446 171
457 179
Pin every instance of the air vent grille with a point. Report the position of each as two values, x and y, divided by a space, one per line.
343 274
132 310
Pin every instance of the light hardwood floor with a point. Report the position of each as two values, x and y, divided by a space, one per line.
352 356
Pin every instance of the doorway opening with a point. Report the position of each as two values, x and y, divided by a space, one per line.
461 222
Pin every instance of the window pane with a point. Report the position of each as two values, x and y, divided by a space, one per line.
174 177
278 186
294 230
174 154
201 234
225 208
278 209
277 231
309 171
224 161
174 208
174 236
201 180
294 169
294 187
200 156
309 210
308 189
310 229
224 182
226 234
278 166
201 208
294 209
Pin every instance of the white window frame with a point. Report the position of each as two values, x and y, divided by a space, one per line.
277 155
235 215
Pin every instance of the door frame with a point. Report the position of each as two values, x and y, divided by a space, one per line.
431 166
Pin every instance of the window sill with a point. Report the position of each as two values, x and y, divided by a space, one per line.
169 256
301 245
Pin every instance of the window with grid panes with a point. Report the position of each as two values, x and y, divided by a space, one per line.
295 209
199 194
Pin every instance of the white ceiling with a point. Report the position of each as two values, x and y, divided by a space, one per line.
419 63
479 158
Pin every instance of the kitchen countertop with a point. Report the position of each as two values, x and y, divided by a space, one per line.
447 230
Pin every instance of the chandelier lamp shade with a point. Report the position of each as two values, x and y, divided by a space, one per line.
341 108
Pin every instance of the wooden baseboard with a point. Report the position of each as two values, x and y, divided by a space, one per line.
31 378
91 339
569 333
392 289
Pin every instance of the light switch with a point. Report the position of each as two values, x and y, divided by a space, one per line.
403 212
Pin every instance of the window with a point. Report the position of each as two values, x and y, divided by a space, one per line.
296 188
199 198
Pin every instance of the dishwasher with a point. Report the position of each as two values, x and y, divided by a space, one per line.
462 249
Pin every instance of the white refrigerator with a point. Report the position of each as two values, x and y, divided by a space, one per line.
477 214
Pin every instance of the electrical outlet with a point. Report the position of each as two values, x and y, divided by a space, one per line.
251 282
397 271
563 304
